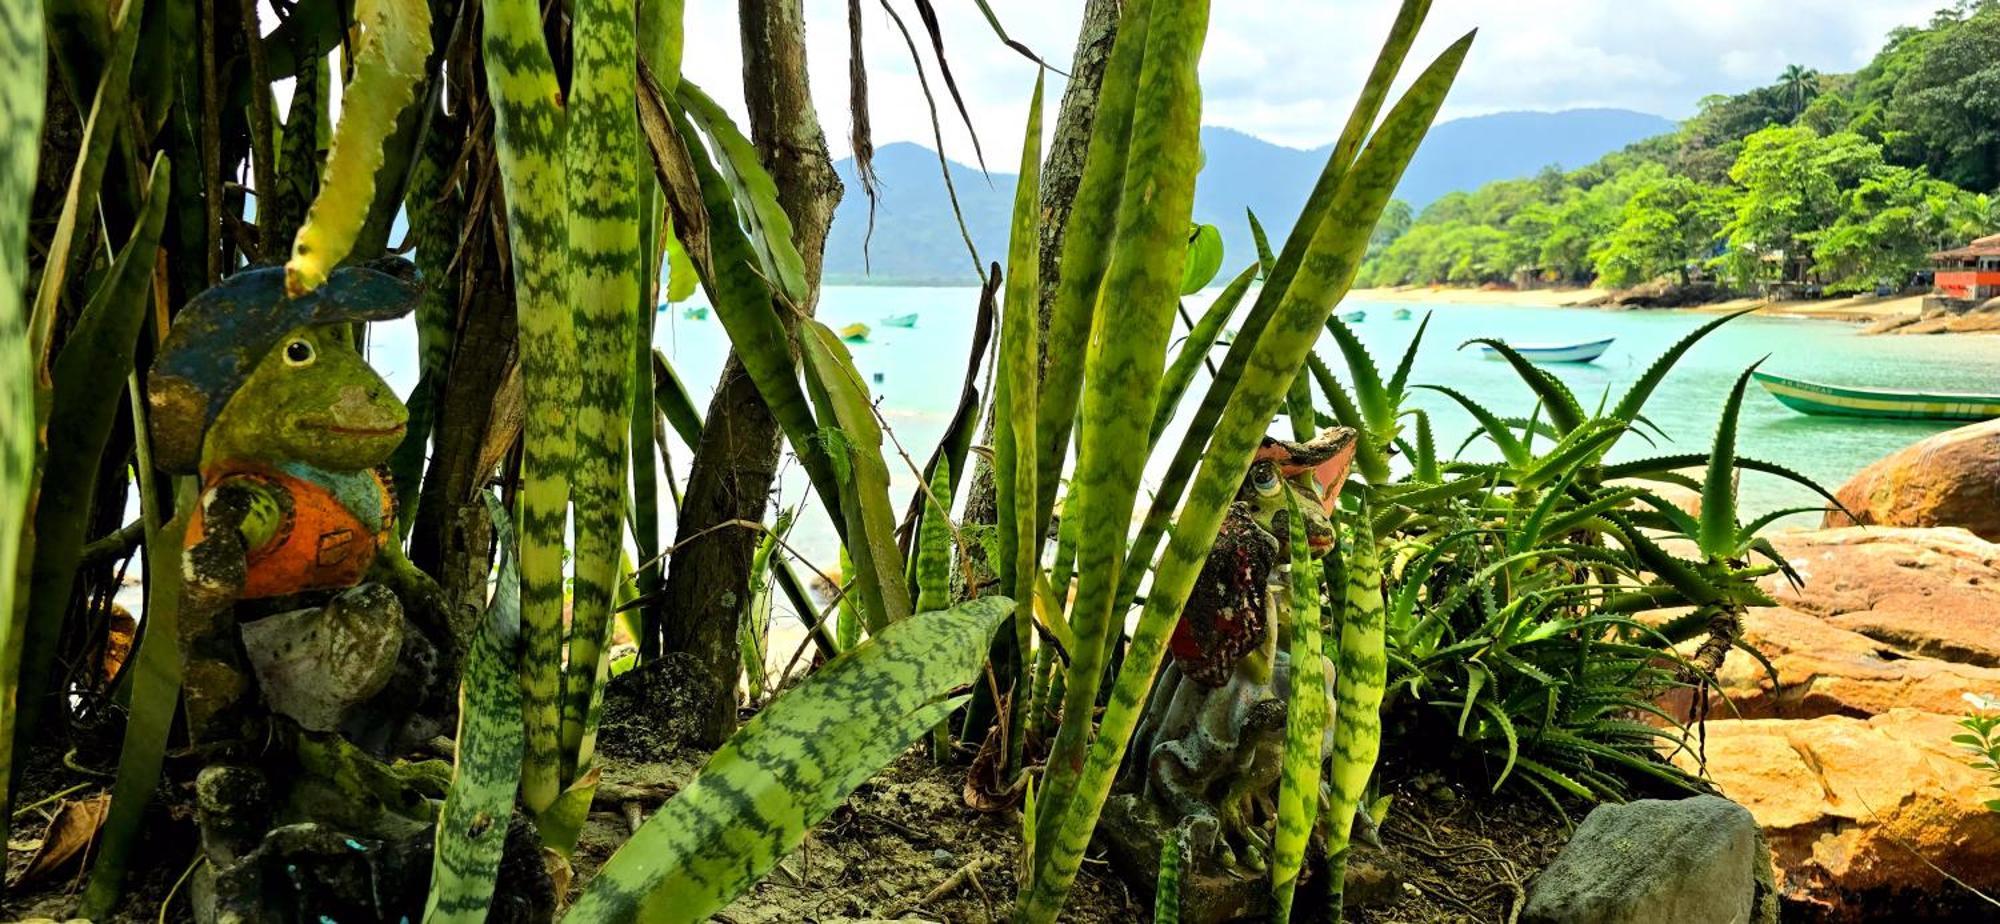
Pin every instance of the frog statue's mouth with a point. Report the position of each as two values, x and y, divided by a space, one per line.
364 432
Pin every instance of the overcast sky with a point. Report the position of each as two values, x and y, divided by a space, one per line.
1287 70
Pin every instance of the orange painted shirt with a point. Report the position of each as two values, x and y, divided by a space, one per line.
330 527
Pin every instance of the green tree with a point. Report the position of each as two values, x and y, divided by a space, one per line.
1668 225
1396 219
1946 105
1793 185
1894 218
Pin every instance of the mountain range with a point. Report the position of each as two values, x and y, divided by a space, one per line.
917 240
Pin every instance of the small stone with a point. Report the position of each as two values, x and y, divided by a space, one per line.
1653 862
942 859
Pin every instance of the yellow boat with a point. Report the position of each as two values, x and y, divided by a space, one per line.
854 333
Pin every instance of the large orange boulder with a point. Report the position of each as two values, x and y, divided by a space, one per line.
1861 814
1823 669
1951 479
1930 592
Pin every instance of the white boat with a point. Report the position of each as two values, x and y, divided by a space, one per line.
1587 351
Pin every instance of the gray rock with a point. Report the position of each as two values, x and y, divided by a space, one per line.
1690 861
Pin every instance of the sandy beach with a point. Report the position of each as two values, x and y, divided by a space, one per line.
1866 309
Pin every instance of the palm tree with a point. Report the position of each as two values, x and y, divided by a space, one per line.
1801 84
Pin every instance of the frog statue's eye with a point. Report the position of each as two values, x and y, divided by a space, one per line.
1265 478
298 353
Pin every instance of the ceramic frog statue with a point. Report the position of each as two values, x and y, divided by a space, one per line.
1212 740
296 600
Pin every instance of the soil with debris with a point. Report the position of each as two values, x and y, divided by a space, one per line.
1463 856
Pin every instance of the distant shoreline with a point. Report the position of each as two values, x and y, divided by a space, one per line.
1864 309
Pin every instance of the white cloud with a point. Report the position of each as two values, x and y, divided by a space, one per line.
1287 70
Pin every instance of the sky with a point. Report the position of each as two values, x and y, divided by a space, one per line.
1287 70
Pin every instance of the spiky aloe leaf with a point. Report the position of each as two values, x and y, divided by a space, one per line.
1511 447
789 767
1659 468
1371 396
864 490
1399 380
1204 258
395 40
1326 269
1718 489
1634 401
1565 412
1127 351
1371 457
607 279
1358 687
755 192
88 379
472 826
528 130
1194 349
1305 730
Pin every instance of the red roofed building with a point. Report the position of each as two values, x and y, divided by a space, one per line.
1971 272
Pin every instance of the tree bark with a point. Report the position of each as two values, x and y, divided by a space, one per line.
708 579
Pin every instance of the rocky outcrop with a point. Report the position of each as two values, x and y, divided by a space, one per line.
1861 814
1823 669
1950 479
1658 862
1930 592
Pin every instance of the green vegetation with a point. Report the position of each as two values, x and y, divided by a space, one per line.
1834 183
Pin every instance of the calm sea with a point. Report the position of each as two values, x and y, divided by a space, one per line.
915 373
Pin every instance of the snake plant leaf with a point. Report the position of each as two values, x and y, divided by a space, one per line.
528 131
1015 397
107 113
864 490
1204 258
789 767
742 302
607 281
1167 888
395 38
155 676
1305 729
756 193
1266 260
1086 253
88 379
1200 340
1127 353
1718 489
1359 684
472 826
22 72
1324 273
934 543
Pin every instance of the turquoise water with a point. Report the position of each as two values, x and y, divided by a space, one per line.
921 369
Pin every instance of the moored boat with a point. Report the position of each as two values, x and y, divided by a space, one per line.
695 313
1355 317
1842 401
1583 352
1401 314
900 320
854 333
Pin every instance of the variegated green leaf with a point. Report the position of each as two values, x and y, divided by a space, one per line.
789 767
1359 684
528 129
934 543
607 279
1195 349
1305 730
756 193
395 38
864 491
472 826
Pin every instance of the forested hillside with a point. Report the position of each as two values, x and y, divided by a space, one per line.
1835 182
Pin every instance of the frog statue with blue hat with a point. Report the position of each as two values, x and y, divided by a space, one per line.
309 641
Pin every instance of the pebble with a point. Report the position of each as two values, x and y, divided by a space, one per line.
942 859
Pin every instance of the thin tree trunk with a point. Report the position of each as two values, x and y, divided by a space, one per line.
1062 170
708 579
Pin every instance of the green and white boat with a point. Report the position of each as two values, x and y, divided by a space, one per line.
1840 401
